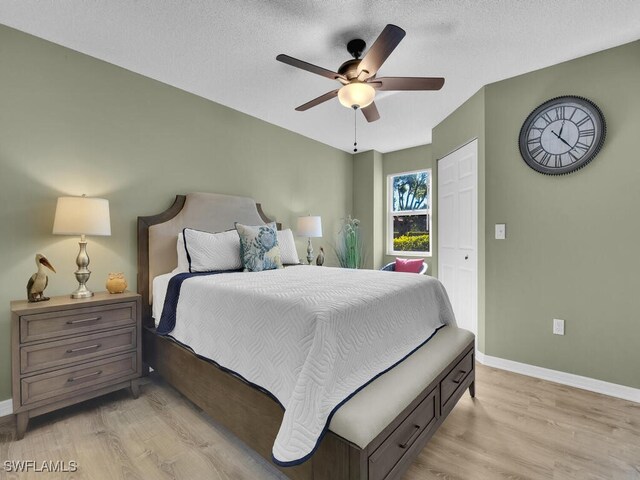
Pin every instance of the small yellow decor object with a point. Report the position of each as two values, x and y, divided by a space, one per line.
116 283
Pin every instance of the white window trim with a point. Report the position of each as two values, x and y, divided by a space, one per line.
390 214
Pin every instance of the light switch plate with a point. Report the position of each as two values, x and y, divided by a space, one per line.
501 231
558 326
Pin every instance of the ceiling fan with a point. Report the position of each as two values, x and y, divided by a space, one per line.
358 76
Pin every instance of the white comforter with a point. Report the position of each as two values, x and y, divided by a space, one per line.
310 336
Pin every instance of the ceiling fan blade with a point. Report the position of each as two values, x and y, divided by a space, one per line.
408 83
371 112
381 49
309 67
318 101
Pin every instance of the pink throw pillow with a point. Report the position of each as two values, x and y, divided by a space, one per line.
410 265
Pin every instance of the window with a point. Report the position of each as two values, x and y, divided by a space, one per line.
409 213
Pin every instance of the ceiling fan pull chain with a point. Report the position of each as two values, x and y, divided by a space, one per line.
355 129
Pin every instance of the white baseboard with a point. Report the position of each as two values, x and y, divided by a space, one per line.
569 379
6 407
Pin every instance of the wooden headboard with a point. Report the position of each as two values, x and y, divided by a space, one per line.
158 234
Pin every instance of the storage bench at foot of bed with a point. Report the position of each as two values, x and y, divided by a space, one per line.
391 440
414 428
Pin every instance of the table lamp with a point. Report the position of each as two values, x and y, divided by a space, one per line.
82 216
310 227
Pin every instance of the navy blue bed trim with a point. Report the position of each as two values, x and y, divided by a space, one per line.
186 249
167 324
326 426
168 318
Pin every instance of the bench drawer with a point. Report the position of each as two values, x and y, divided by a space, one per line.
387 455
46 326
64 382
455 379
76 350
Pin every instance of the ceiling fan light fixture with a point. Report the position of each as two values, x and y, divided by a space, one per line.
356 94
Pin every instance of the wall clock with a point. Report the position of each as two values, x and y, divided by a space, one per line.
562 135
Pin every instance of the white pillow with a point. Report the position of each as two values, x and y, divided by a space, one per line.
183 261
288 252
211 252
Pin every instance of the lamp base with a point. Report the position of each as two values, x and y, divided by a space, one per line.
83 273
82 292
309 252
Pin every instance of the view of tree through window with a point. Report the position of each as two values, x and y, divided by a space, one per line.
410 191
409 215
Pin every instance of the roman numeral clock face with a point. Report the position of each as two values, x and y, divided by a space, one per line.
562 135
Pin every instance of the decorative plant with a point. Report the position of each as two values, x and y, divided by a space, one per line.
349 248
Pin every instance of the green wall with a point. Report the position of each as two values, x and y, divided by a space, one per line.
71 124
367 204
570 248
407 160
571 241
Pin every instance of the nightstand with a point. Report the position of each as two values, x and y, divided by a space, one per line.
65 351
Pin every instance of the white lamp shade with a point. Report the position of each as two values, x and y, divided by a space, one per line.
356 94
309 226
82 216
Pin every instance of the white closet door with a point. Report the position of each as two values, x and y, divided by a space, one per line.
458 232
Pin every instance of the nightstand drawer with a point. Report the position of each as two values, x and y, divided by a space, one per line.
76 350
46 326
64 382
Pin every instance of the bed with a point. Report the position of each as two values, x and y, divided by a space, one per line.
375 432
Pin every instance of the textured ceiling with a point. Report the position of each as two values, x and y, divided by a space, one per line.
225 50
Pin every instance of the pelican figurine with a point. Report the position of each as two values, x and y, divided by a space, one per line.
39 280
320 257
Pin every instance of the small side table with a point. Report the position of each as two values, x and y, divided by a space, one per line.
65 351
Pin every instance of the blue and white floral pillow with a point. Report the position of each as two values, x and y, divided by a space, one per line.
259 248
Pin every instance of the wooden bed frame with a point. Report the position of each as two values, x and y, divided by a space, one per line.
255 417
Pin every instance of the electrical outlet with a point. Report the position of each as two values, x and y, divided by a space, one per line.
501 231
558 326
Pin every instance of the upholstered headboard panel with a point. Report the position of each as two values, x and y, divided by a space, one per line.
157 235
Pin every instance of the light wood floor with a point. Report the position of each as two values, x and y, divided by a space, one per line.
516 428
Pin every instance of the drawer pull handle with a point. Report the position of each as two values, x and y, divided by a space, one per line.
409 441
73 379
461 375
80 349
83 320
